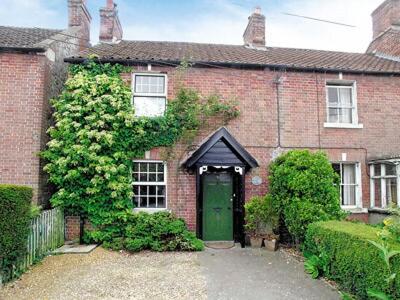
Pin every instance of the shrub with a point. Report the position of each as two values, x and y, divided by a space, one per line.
15 213
260 217
160 231
353 261
304 189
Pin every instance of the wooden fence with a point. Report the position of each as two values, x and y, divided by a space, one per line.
46 234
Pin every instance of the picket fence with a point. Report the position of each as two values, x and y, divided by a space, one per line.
46 234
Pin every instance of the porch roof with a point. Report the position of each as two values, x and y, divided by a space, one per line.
221 149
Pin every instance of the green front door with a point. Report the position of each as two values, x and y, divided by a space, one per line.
217 207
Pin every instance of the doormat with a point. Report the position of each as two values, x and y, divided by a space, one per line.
220 244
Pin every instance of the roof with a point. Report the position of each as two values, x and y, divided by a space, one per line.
239 55
22 38
222 134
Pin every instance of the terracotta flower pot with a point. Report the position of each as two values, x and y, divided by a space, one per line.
271 245
256 241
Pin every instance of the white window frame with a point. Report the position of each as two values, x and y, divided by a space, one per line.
354 115
149 95
382 178
358 185
138 183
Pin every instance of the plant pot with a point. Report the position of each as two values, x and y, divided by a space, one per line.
256 241
271 245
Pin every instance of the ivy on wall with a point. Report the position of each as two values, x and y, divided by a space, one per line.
96 135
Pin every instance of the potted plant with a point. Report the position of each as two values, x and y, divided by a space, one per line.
261 221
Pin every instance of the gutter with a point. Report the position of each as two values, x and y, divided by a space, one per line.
79 60
22 49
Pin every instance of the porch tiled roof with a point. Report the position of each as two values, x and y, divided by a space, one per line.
24 38
275 57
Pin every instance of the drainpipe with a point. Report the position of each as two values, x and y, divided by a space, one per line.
81 228
278 81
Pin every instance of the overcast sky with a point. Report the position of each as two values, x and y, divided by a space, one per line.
215 21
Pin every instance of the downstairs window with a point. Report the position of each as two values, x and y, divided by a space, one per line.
350 191
384 191
149 184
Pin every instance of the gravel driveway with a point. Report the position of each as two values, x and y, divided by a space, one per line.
105 274
214 274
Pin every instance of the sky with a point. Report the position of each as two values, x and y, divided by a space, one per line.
215 21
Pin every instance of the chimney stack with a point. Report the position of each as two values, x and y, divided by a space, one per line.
386 29
79 17
110 27
254 35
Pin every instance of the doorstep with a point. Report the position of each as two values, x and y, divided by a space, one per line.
219 244
75 249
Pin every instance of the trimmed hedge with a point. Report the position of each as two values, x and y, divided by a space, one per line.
354 263
15 213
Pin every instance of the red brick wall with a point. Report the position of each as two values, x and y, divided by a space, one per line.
302 116
72 227
23 81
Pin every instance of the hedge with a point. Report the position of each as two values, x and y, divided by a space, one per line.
354 263
15 205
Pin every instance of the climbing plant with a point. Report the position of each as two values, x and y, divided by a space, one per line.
96 135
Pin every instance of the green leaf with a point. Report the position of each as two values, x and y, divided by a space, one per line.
378 294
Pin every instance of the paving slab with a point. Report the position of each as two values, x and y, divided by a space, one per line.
251 273
75 249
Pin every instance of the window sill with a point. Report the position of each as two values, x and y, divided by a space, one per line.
341 125
149 210
355 210
378 210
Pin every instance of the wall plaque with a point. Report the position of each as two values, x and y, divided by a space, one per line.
256 180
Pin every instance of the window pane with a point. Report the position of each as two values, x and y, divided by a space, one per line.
143 167
377 170
333 115
349 174
378 194
161 202
333 96
391 190
152 190
160 190
135 201
149 106
160 177
348 195
152 202
345 115
152 177
345 97
390 169
152 167
143 177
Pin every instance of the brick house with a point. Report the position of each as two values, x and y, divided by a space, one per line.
32 71
346 104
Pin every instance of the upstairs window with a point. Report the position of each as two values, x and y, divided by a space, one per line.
149 94
341 105
350 195
149 184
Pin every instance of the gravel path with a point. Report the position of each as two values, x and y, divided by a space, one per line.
104 274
